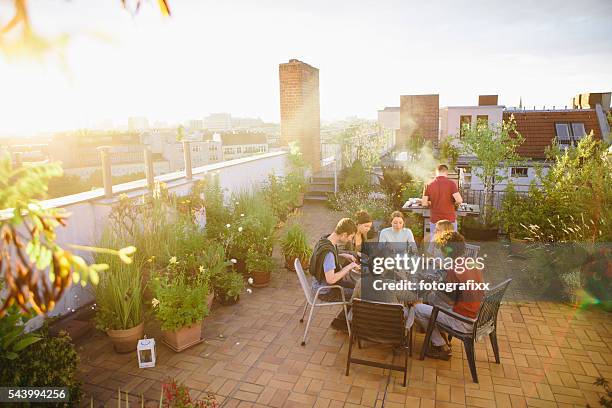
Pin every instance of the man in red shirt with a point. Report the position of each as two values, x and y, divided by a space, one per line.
441 195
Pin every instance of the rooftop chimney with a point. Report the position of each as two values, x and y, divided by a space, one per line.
487 100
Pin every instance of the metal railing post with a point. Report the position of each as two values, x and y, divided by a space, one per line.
187 157
107 175
149 171
335 177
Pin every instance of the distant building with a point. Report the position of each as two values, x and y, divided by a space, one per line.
195 124
218 122
299 109
540 130
241 144
137 123
419 115
389 118
246 123
452 118
79 154
164 144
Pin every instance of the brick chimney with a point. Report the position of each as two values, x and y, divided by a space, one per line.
487 100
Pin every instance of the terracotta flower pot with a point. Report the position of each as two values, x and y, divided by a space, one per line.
183 338
125 341
261 279
289 263
518 246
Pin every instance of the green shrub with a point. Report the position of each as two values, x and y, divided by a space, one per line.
355 177
294 243
50 362
229 285
258 262
350 201
393 182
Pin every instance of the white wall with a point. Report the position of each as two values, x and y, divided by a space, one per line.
450 117
473 182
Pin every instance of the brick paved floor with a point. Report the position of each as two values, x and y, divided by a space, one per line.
550 355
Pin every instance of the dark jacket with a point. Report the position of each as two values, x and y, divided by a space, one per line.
321 249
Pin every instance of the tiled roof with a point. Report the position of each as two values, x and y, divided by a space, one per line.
538 127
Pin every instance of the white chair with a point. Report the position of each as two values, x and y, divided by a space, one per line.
471 251
314 301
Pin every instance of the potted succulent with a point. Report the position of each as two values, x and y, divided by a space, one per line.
119 299
179 305
259 265
228 286
295 245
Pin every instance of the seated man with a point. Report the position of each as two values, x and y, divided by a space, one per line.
467 302
326 269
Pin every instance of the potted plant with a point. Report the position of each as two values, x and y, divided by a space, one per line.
179 305
295 245
176 395
228 286
119 300
212 264
259 266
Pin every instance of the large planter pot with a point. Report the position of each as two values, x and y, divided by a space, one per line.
261 279
183 338
289 260
125 341
479 234
518 246
241 266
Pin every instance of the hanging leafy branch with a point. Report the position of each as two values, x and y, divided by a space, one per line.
28 247
18 39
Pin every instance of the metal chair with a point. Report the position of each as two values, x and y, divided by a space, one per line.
382 323
471 251
485 323
314 301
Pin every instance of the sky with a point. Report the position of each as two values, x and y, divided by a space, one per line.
223 56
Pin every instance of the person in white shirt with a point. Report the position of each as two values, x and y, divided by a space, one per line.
398 234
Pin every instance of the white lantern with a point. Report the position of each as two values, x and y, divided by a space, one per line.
146 353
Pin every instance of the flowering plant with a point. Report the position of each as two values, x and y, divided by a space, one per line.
176 395
179 301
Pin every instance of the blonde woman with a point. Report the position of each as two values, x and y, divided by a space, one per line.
442 226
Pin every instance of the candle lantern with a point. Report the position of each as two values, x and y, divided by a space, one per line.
146 353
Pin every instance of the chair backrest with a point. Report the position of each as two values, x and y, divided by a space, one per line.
303 280
487 314
376 321
471 251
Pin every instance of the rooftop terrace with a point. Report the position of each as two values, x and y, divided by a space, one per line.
551 354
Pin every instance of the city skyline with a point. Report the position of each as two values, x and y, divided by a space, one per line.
212 57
